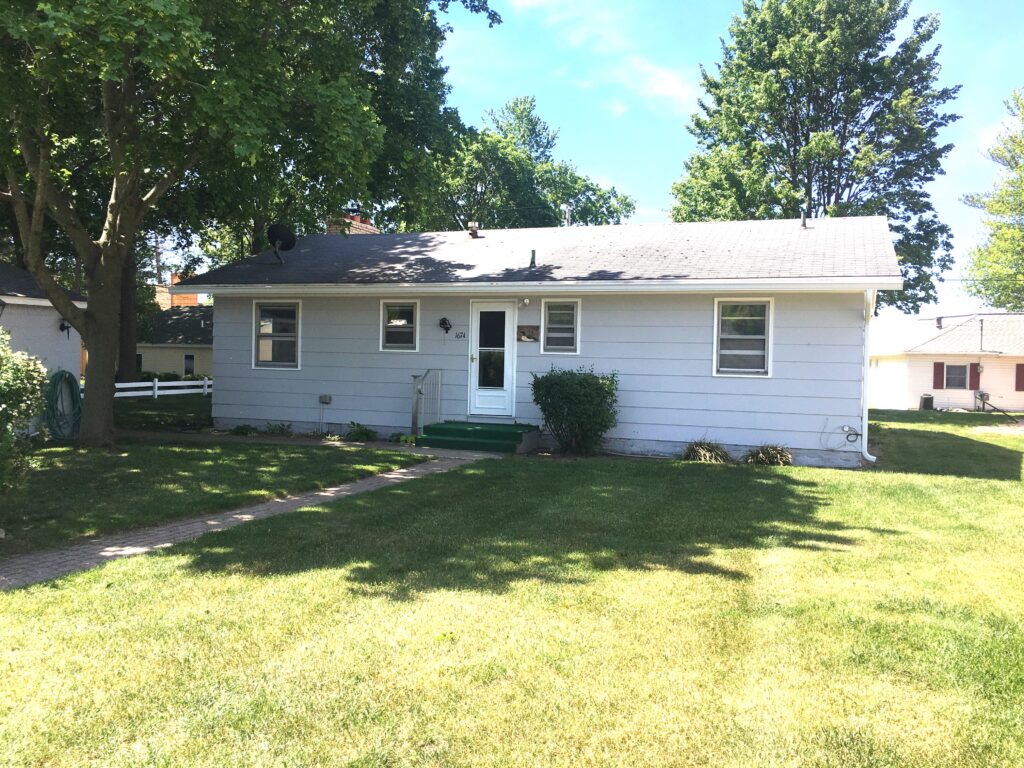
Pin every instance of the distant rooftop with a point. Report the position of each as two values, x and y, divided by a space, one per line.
988 334
17 282
829 249
182 325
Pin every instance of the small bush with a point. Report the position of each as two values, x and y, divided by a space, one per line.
195 376
245 430
22 379
159 376
706 452
278 429
578 406
402 438
360 433
770 456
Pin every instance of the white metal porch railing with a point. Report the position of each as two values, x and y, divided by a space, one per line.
426 400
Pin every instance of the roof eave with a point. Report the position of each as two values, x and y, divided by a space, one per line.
780 285
33 301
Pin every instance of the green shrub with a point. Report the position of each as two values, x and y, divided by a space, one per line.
159 376
706 452
769 455
22 379
278 428
245 430
578 406
360 433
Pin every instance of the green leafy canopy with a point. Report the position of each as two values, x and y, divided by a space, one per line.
996 268
816 108
504 176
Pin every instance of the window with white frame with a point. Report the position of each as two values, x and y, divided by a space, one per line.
956 377
742 338
398 325
561 327
277 336
190 364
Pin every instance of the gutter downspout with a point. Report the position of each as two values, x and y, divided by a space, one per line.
869 311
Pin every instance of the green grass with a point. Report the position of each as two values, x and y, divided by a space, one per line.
171 412
77 493
558 612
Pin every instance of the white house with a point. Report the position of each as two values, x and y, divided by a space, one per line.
745 333
35 326
953 359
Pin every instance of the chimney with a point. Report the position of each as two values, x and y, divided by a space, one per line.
183 299
357 225
474 229
938 323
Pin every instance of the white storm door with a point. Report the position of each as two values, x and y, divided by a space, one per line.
492 361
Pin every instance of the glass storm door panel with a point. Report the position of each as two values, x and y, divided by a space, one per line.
492 359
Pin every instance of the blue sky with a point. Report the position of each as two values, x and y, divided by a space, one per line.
619 79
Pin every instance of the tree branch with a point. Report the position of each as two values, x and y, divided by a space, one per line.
60 208
30 229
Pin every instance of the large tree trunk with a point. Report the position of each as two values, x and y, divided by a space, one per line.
101 337
128 335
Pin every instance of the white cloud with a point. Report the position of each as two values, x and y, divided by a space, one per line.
991 133
617 107
658 85
593 25
600 28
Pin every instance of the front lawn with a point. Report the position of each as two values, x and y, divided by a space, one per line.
170 412
76 493
557 612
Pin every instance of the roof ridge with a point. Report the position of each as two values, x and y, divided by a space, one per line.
938 336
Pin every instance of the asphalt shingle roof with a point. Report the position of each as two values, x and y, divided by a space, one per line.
182 325
15 281
978 334
853 247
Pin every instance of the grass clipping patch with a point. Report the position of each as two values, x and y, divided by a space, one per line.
706 452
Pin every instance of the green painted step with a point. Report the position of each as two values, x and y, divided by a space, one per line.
475 436
467 443
468 429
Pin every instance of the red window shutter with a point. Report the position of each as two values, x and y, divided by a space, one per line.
939 375
1020 377
974 381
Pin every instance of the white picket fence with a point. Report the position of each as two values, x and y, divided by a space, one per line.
157 388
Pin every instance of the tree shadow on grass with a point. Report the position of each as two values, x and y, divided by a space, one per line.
933 452
497 523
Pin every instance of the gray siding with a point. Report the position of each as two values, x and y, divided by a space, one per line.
660 345
36 330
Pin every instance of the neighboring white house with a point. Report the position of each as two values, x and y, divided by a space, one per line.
952 359
35 326
741 332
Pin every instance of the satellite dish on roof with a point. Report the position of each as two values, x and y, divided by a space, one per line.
281 238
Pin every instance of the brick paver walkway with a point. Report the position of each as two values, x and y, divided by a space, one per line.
22 570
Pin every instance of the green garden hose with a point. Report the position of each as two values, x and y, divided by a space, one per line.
63 406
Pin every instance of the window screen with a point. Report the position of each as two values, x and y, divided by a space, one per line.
560 326
277 335
956 377
743 338
399 331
